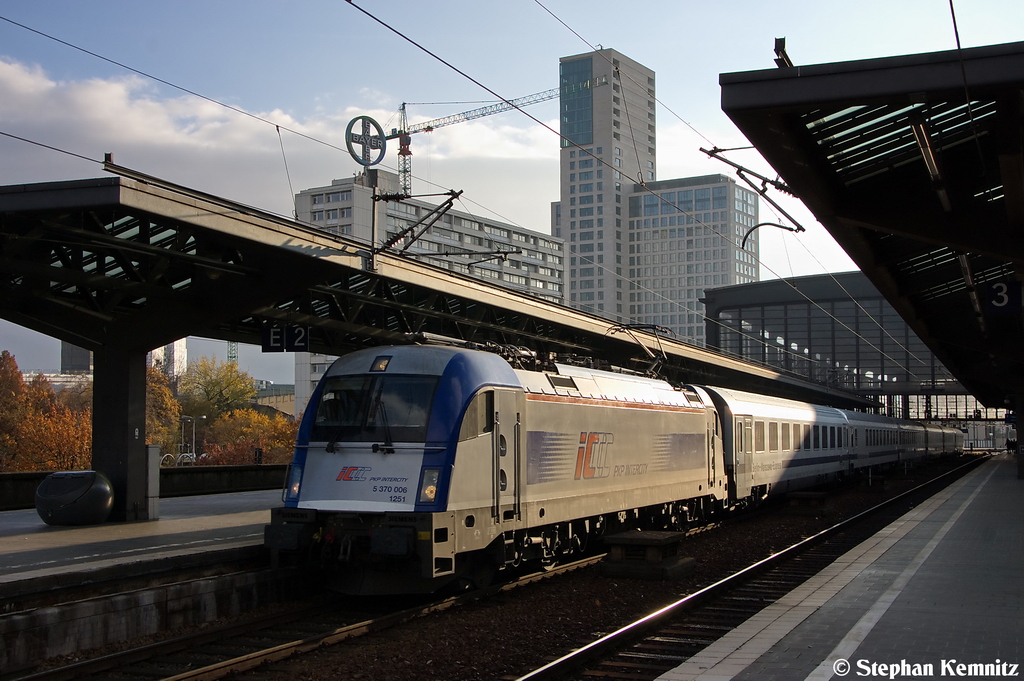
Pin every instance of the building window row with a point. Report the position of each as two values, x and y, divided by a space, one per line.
331 197
330 214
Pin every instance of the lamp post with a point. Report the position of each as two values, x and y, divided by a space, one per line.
192 419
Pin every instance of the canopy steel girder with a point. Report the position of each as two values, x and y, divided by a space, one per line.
141 261
922 185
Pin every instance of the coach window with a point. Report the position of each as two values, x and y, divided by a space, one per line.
797 435
785 437
831 437
773 436
758 436
817 437
479 417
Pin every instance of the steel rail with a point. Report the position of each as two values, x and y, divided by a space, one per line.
122 659
582 656
286 650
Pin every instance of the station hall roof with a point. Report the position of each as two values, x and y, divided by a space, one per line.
914 164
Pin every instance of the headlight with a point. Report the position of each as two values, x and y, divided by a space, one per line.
291 490
428 485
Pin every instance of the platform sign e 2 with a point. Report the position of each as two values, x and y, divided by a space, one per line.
285 339
1003 298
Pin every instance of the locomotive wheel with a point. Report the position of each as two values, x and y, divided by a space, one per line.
478 572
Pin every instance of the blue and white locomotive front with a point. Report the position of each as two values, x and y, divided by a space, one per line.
368 486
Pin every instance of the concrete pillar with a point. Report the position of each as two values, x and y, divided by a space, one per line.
119 429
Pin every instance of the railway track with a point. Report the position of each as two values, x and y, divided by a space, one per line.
217 652
661 641
640 651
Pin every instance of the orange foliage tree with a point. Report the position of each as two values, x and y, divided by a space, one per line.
38 431
12 409
233 438
58 439
162 412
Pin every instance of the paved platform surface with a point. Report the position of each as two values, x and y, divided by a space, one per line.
29 548
939 593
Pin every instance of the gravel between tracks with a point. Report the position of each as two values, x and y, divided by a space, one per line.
508 635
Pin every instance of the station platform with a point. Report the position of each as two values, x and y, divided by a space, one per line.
31 549
937 593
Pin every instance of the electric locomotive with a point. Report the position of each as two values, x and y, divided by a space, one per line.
419 466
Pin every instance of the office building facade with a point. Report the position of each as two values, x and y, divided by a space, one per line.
640 250
608 127
685 236
458 241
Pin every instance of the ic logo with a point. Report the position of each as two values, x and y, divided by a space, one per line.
353 473
592 456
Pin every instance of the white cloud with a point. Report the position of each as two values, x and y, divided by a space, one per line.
506 165
191 141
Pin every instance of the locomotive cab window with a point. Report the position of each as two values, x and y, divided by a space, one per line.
479 417
379 407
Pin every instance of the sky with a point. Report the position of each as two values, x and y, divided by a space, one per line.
294 75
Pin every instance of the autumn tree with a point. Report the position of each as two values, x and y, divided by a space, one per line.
38 431
162 412
77 396
211 388
233 438
12 408
39 395
55 438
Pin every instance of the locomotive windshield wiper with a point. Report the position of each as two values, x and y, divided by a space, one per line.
388 442
334 440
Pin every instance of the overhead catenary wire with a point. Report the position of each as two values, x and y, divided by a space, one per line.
596 49
599 160
279 127
284 157
698 221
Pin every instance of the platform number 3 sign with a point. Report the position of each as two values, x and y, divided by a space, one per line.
1003 297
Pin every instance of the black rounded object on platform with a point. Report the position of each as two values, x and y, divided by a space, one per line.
74 498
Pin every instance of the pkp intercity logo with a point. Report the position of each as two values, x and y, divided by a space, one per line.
353 473
592 458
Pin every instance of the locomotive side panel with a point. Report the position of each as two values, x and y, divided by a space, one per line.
484 497
586 459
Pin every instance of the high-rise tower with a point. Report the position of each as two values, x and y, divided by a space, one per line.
607 121
640 250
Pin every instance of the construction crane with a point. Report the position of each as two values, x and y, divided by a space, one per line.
404 132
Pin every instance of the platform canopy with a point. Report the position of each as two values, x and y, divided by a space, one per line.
914 164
